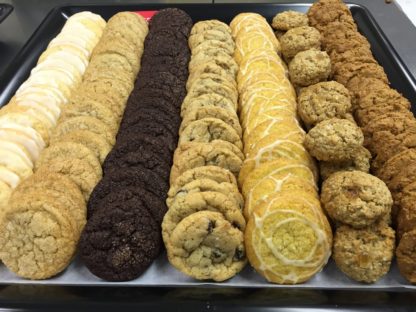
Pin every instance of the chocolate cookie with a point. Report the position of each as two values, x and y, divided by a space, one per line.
120 242
152 203
129 178
171 18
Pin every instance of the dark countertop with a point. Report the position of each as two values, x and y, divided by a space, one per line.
16 30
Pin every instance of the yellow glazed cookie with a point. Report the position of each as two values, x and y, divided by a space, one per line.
288 239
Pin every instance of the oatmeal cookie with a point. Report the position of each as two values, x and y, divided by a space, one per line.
324 12
299 39
205 245
360 161
364 255
289 19
355 198
334 140
324 100
309 67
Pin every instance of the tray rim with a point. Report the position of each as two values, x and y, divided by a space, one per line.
60 10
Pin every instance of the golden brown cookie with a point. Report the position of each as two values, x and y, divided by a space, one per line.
196 112
289 19
405 253
208 129
85 123
43 226
205 245
299 39
205 100
193 154
406 218
96 143
356 198
364 255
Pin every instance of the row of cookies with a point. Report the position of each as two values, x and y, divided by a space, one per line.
383 114
47 212
27 122
278 177
122 236
203 228
337 143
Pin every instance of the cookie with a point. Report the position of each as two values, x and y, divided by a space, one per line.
396 164
20 137
84 123
214 173
360 86
360 161
324 12
197 113
323 100
136 177
43 226
56 186
355 198
78 170
205 100
269 173
69 150
405 254
206 185
309 67
289 19
334 140
211 63
92 109
212 68
120 243
364 255
205 25
204 154
341 37
210 47
217 250
406 218
172 18
143 157
347 71
210 34
5 193
9 177
287 219
15 163
94 142
299 39
185 206
208 129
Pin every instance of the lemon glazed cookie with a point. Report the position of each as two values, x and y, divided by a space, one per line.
364 255
334 140
288 239
206 246
356 198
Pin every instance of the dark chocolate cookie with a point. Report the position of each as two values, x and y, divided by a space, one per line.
153 204
137 177
120 242
142 157
171 18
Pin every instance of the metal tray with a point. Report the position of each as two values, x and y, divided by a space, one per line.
161 273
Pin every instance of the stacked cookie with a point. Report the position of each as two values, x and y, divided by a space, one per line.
288 238
383 114
27 122
48 210
202 229
125 211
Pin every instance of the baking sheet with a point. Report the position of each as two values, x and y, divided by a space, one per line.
161 273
